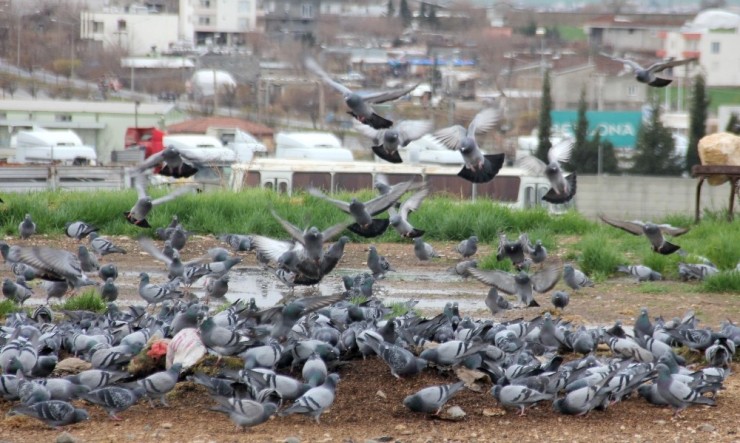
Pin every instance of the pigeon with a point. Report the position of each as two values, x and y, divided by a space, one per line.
400 220
495 302
178 238
55 289
467 248
521 284
513 250
52 264
648 75
238 242
311 238
221 340
560 299
78 229
114 399
108 271
386 142
698 271
243 412
431 399
175 266
574 278
423 250
176 163
54 413
154 294
284 317
157 385
516 396
363 212
401 362
103 246
216 288
17 291
138 213
315 400
314 371
88 262
360 103
562 188
677 394
461 268
640 272
96 378
109 291
377 263
479 167
27 227
652 231
538 253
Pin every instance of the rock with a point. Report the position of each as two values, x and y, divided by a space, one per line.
722 148
381 394
166 425
292 440
706 427
65 437
660 422
400 427
71 366
490 412
454 413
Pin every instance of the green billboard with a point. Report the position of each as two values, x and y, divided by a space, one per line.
619 127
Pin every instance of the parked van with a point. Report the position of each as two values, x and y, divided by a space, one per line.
244 145
318 146
40 145
512 186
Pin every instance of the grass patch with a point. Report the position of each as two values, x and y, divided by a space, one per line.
490 262
599 256
398 309
572 33
653 288
8 307
727 281
89 300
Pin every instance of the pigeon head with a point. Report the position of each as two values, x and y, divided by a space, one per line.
467 146
650 228
552 168
313 233
390 137
394 219
353 100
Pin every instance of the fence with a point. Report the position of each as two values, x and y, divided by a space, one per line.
71 178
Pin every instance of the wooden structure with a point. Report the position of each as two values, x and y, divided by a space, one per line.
702 172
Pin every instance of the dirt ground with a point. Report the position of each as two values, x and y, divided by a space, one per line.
369 406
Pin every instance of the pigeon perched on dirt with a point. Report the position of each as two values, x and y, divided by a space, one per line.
495 302
377 263
115 399
78 229
677 394
431 399
54 413
479 167
157 385
574 278
244 412
315 400
640 272
103 246
560 299
516 396
468 247
423 250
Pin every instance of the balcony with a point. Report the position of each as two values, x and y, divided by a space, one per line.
691 54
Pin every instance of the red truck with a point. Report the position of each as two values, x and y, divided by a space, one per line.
150 138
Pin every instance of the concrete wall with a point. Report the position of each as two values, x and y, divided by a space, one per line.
646 198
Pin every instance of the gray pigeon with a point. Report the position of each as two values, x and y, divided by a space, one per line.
521 284
360 104
314 371
377 263
315 400
537 253
216 288
400 219
386 142
54 413
495 302
479 167
16 292
640 272
562 188
677 394
138 213
401 362
560 299
96 378
160 383
221 340
461 268
179 238
648 75
109 290
516 396
467 248
52 264
78 229
115 399
574 278
431 399
55 289
27 227
174 163
424 251
238 242
695 271
154 294
88 261
108 271
243 412
103 246
652 231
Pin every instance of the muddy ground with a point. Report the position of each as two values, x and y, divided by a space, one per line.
368 404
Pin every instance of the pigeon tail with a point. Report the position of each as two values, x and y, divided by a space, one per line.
660 82
143 223
391 157
415 233
184 171
374 229
554 198
375 121
491 166
533 304
667 248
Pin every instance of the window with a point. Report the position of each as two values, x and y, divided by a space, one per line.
632 91
202 20
98 27
715 47
121 25
244 6
307 11
63 117
205 3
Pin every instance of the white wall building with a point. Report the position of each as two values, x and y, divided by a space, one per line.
220 22
136 33
714 38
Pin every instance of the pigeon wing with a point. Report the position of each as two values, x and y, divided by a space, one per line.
451 137
633 227
174 194
270 248
411 130
150 162
344 206
531 164
314 67
386 96
503 281
292 229
483 122
382 202
672 230
413 203
545 279
148 246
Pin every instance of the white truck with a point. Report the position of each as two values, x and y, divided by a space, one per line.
244 145
40 145
319 146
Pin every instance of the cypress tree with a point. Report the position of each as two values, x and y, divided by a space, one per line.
391 9
655 148
405 13
697 120
545 125
733 124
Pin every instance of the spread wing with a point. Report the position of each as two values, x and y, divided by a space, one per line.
292 229
140 185
545 279
633 227
314 67
148 246
411 130
483 121
672 230
413 203
182 190
503 281
150 162
344 206
633 65
451 137
56 262
386 96
332 231
272 249
560 152
662 66
531 164
385 201
368 131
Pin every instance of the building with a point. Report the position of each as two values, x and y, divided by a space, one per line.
714 38
631 33
293 19
218 22
99 124
136 33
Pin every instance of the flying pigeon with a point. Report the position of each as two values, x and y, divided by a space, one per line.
652 231
400 219
386 142
648 75
521 284
360 103
562 188
479 167
176 163
138 213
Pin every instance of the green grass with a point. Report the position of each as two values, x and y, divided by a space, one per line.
653 288
572 33
8 307
398 309
728 281
600 255
87 301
